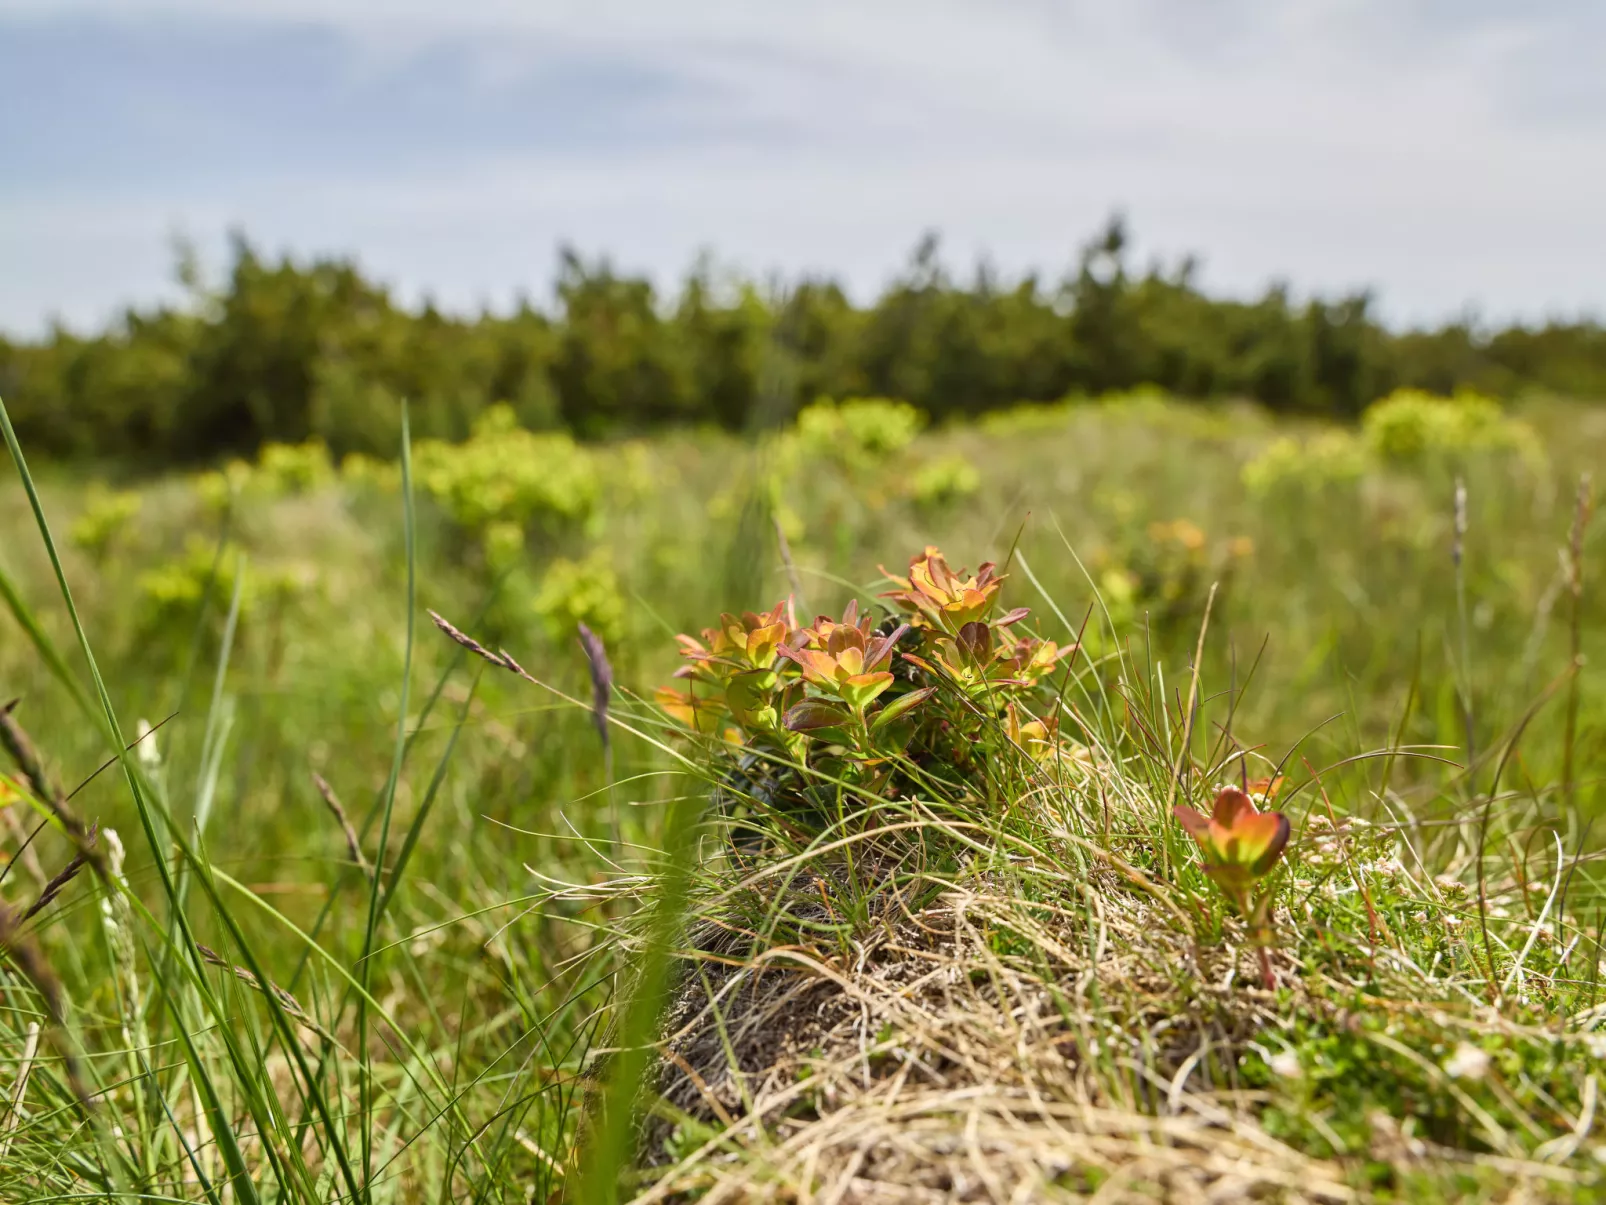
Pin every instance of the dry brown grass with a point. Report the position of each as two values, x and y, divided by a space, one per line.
985 1047
928 1066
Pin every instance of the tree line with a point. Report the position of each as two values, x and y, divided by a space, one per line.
284 350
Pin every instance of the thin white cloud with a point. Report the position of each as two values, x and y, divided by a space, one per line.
1338 143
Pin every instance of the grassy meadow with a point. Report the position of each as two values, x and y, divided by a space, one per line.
226 1002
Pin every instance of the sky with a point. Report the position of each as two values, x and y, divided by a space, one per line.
1449 155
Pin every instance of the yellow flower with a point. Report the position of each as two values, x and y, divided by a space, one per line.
10 792
1180 532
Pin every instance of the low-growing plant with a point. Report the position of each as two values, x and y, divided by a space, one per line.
1241 846
280 471
932 699
1143 402
502 542
201 584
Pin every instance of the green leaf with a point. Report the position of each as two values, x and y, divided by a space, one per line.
901 706
861 690
748 697
976 642
813 714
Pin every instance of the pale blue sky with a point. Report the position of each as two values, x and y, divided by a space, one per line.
1445 152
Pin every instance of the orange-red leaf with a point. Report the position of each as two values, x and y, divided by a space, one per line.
1229 805
1198 826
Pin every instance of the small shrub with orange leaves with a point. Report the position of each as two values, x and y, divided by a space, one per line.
940 697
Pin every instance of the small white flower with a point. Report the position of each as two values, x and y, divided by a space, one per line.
1286 1064
114 853
1595 1043
1468 1062
1420 918
145 745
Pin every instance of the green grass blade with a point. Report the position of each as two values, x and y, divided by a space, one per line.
389 803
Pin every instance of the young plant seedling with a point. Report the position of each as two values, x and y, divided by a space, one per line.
1241 846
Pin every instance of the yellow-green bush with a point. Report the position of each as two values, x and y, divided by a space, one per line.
503 542
943 481
630 472
1411 427
284 469
177 586
359 470
504 473
858 431
280 471
181 583
1028 418
1329 458
584 591
1118 592
219 489
1164 573
1408 429
105 517
1147 402
1171 568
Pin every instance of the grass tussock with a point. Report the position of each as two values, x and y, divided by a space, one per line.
1066 1023
991 1047
1037 994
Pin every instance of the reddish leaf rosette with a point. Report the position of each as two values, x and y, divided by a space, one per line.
1240 844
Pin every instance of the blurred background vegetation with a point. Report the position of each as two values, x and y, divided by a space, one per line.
1330 547
286 350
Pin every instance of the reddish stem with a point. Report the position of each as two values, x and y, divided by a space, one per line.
1265 969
